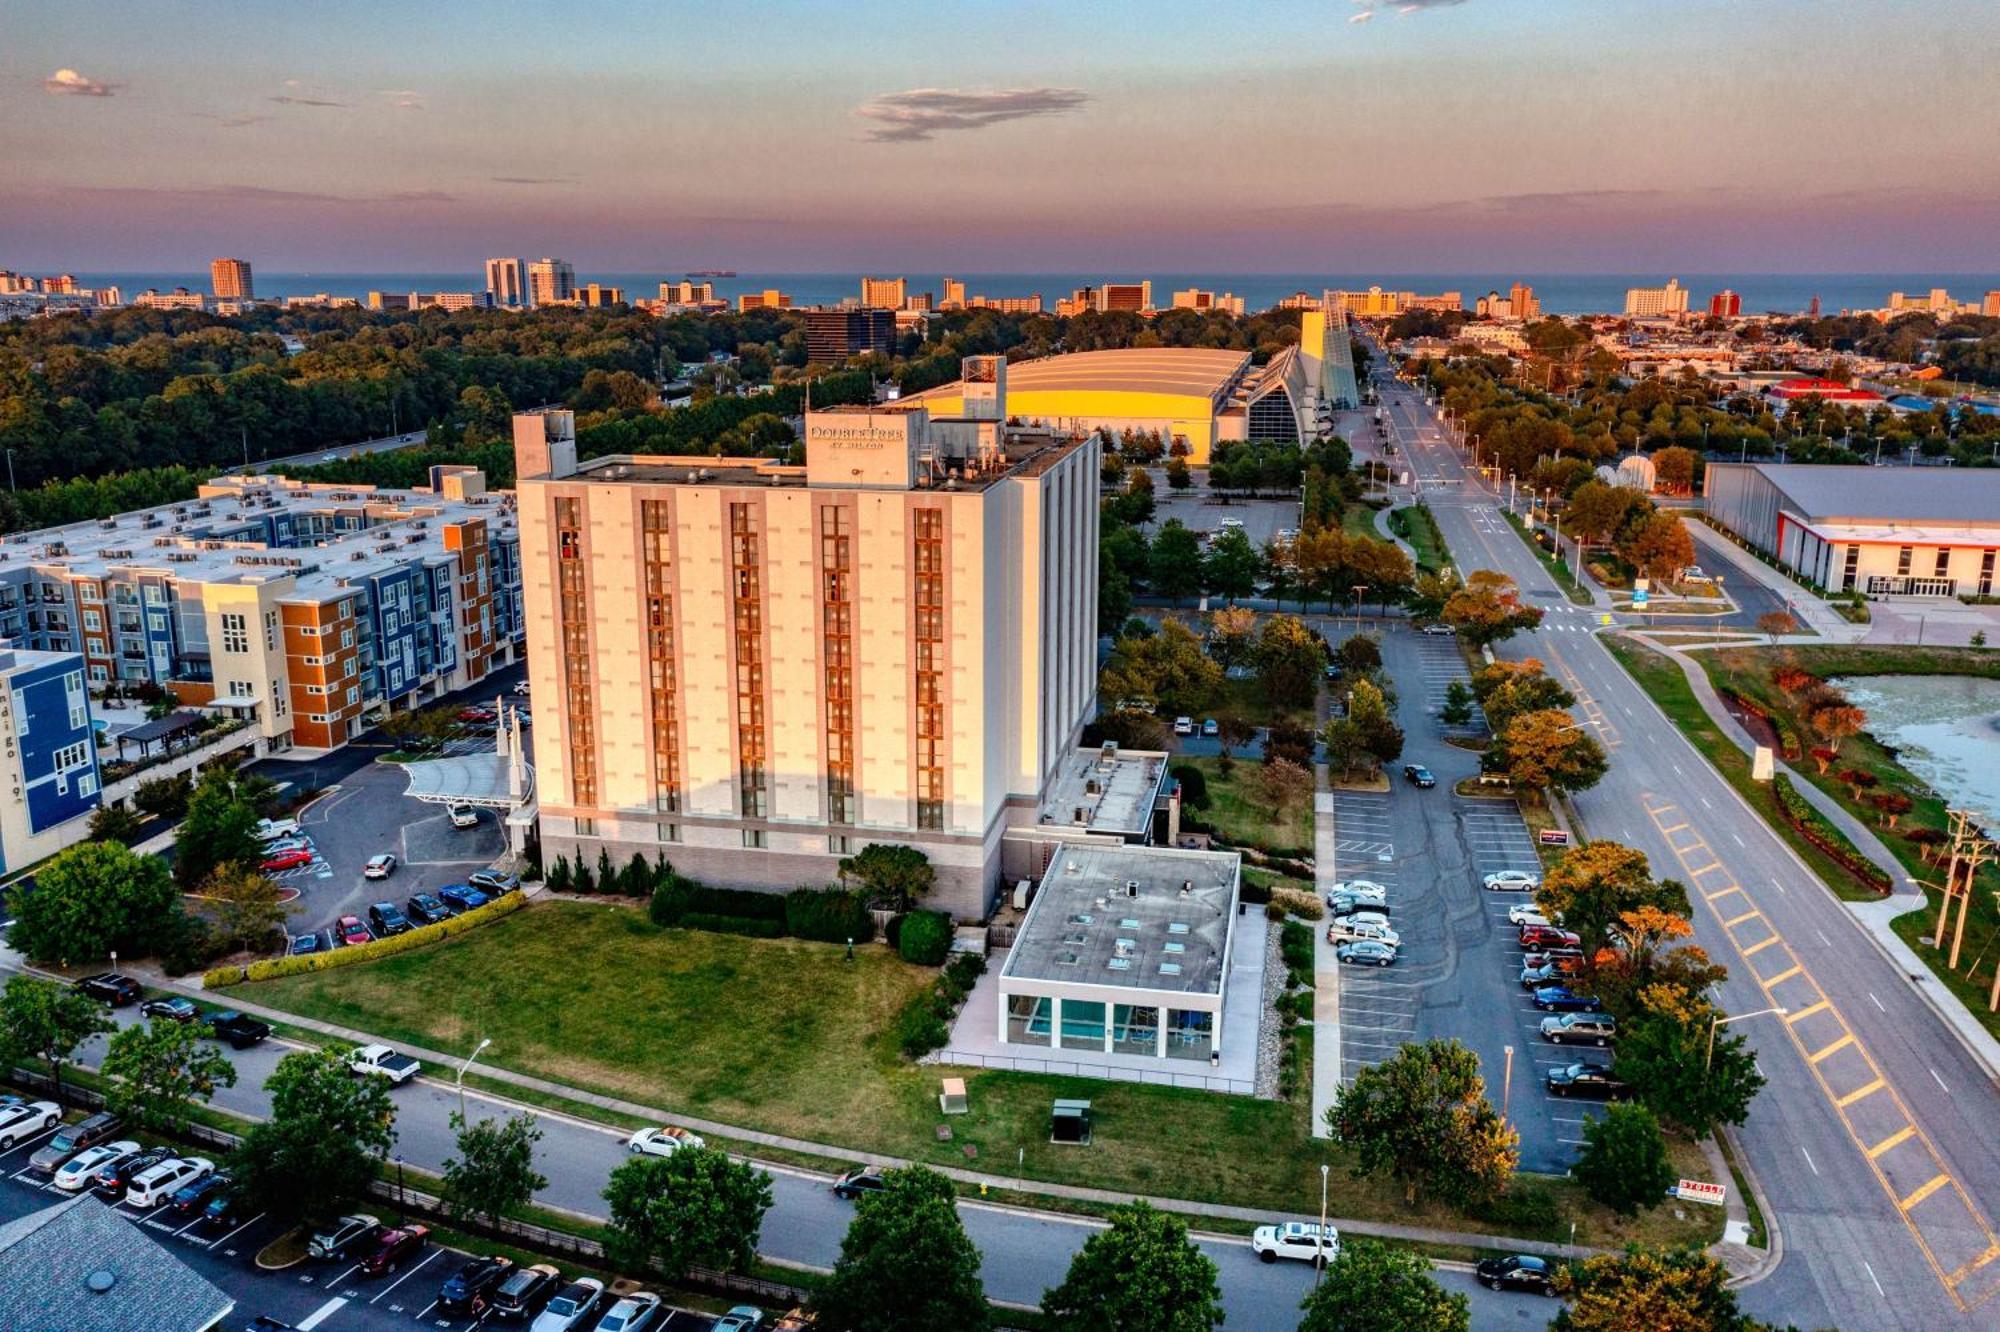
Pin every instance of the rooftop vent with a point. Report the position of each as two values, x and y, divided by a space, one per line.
1118 964
1170 968
101 1281
1177 927
1131 887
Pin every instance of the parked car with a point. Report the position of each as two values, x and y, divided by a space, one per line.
1183 726
1511 881
860 1180
460 898
424 909
1518 1271
464 816
1418 775
112 988
1526 913
271 829
1439 631
240 1030
223 1210
1366 952
73 1139
1211 727
350 1233
1592 1080
521 688
192 1197
76 1173
386 921
175 1009
662 1141
113 1180
571 1307
380 1061
743 1318
1296 1239
286 860
1361 926
303 944
1549 973
637 1312
475 715
1580 1029
1541 957
379 867
282 844
349 930
150 1188
470 1288
1549 936
525 1291
1346 904
1360 888
26 1119
1562 999
494 882
393 1248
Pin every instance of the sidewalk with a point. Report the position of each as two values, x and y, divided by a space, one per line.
1382 526
1326 969
1874 917
1822 618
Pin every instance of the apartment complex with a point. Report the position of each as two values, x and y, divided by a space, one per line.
1194 298
836 333
551 282
954 294
1375 303
48 755
230 280
598 295
300 607
768 299
884 293
1520 303
1668 302
755 669
507 283
1725 304
685 292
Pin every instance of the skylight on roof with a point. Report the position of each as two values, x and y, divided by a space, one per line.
1170 968
1177 927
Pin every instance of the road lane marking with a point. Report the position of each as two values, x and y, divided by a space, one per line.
1924 1191
1805 1013
240 1229
1896 1139
1940 1082
1861 1093
1734 921
1783 976
1871 1276
1809 1161
1760 946
1826 1052
1875 1001
1822 936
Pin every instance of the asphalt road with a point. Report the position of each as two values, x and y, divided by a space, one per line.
1873 1139
386 444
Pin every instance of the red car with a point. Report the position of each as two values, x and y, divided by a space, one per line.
1547 936
285 860
475 714
351 930
393 1248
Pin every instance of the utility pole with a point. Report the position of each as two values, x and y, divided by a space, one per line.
1979 853
1959 818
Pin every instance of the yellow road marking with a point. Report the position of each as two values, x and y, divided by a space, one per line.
1759 946
1861 1092
1783 976
1924 1192
1721 893
1896 1139
1805 1013
1832 1049
1992 1252
1734 921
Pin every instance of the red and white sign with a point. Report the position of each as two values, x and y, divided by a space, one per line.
1553 837
1694 1190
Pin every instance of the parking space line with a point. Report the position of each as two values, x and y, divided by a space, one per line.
239 1230
428 1259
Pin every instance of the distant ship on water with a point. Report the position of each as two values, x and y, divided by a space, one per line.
713 272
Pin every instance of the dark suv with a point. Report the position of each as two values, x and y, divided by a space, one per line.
112 988
470 1288
76 1138
386 920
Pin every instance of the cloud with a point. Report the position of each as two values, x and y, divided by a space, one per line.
404 99
285 99
262 194
533 180
1369 8
69 83
916 115
230 122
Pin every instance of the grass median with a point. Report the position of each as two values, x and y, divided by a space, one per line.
1557 567
790 1038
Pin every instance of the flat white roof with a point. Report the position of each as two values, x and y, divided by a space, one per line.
1130 918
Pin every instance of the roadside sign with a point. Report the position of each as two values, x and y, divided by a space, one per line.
1641 586
1554 836
1694 1190
1639 598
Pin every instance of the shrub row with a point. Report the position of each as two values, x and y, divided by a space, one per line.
925 1022
1812 826
717 923
1299 902
272 968
828 915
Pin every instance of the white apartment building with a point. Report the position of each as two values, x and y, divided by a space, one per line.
755 669
1668 302
507 283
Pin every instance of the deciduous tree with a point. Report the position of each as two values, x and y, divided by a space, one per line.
494 1170
1838 722
249 909
1546 749
1665 1054
696 1208
1488 609
1290 659
89 900
1659 546
1142 1274
220 828
326 1126
1280 784
1648 1290
888 872
1371 1287
905 1263
1592 885
1231 566
1422 1115
160 1070
43 1020
1624 1162
1174 566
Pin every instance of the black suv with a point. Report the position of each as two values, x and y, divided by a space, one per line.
1592 1080
111 987
425 909
386 920
525 1291
860 1180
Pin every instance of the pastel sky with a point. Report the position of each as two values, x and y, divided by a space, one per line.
1008 135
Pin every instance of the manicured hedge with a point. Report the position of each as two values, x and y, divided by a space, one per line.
272 968
830 915
717 923
925 938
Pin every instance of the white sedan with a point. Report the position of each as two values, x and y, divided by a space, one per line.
24 1121
1511 881
79 1170
662 1141
1362 888
1526 913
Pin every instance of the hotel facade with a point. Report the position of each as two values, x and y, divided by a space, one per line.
755 669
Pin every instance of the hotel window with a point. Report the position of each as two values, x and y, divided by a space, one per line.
655 521
1942 567
927 563
746 583
837 655
1853 567
235 633
270 631
1986 573
573 623
1903 555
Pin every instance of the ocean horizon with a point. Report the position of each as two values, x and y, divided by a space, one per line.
1560 293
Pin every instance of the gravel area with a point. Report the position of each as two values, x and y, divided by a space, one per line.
1270 1034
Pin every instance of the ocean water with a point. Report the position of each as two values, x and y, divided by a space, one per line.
1947 729
1560 293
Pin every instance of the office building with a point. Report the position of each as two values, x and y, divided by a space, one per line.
390 300
1725 304
1668 302
596 294
180 298
1134 297
768 299
884 293
48 755
1894 532
687 293
229 279
297 606
1936 301
954 294
754 669
551 282
1019 305
1375 303
507 283
1523 302
835 334
1990 307
1196 299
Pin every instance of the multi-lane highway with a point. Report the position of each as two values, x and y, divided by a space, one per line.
1873 1139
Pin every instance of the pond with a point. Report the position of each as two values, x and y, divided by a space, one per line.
1946 728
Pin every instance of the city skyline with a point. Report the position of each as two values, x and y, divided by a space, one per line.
1571 137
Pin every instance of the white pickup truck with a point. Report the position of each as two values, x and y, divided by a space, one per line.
382 1062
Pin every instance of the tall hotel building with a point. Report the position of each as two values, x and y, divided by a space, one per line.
507 283
229 279
755 669
551 282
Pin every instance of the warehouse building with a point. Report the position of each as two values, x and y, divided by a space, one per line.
1881 531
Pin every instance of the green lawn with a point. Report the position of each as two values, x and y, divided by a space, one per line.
1558 568
1252 702
790 1038
1415 525
1240 818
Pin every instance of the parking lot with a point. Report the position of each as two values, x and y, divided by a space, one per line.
1379 1006
1439 663
1202 512
310 1295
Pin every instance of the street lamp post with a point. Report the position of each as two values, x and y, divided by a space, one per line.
1319 1265
1507 1081
461 1076
1720 1020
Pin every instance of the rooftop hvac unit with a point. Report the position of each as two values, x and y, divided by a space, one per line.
1090 787
1131 887
1187 886
1021 889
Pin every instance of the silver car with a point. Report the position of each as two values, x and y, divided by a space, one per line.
571 1308
1366 952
